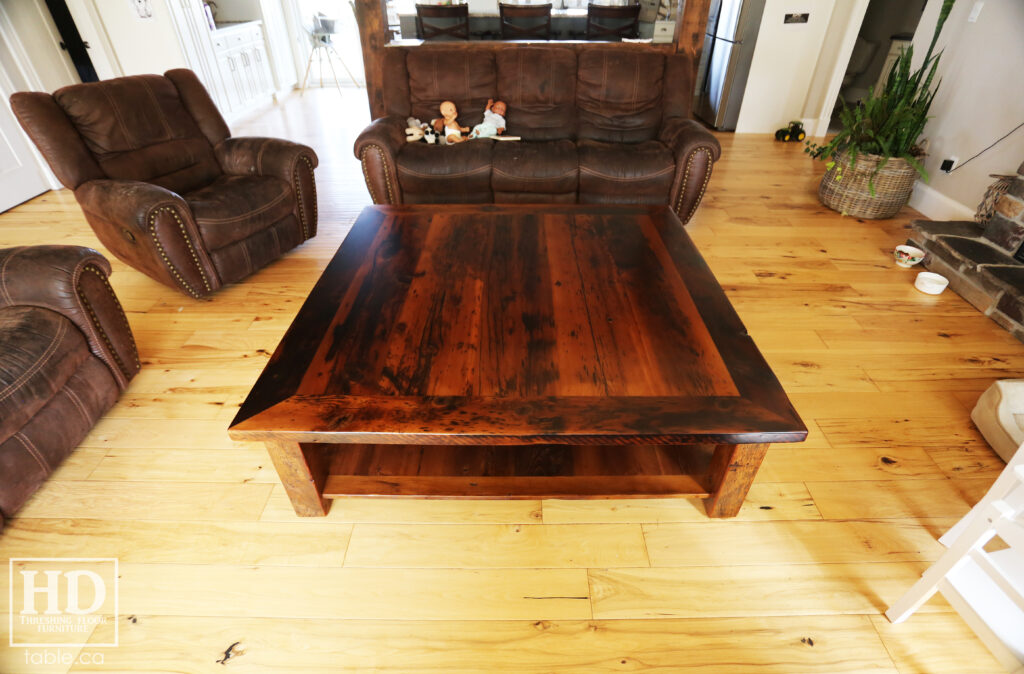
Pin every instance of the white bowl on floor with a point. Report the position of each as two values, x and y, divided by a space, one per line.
931 283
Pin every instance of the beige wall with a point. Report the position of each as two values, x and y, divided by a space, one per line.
141 45
783 66
981 97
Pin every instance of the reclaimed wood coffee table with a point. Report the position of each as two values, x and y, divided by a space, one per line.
517 352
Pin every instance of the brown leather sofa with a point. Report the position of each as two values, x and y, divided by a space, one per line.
165 186
599 125
66 353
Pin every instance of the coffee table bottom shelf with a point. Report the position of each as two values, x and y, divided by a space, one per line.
312 473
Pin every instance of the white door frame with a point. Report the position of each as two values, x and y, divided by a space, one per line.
24 78
816 121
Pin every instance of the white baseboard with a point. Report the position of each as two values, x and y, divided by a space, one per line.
935 205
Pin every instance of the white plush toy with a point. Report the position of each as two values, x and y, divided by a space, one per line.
414 130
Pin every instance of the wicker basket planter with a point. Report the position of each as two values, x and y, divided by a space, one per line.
850 195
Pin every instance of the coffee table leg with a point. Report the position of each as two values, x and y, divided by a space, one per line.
733 468
303 471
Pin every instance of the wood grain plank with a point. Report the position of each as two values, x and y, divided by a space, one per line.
409 511
504 546
220 542
690 592
250 465
816 465
147 501
778 645
765 501
935 643
796 542
365 594
897 498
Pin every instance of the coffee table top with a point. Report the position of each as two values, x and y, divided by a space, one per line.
517 325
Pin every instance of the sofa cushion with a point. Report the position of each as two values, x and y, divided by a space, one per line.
639 173
459 173
138 129
41 350
233 208
549 167
36 449
538 84
618 95
437 75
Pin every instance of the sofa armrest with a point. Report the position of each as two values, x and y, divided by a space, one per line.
377 149
291 162
151 229
72 281
695 151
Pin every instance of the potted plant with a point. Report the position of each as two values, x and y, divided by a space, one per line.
874 160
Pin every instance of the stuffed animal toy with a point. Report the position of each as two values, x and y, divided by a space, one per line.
414 130
430 135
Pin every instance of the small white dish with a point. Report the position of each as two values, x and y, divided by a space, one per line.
931 283
907 256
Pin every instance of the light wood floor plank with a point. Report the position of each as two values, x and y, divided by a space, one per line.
516 545
365 594
255 543
765 501
935 643
719 591
783 464
797 542
147 501
897 498
244 466
821 645
406 511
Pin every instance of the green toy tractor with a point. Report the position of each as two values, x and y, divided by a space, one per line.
792 133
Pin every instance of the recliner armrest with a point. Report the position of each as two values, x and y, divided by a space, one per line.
282 159
72 281
683 136
255 156
151 229
695 151
377 148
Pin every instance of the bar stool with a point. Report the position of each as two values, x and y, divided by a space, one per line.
441 22
613 22
521 22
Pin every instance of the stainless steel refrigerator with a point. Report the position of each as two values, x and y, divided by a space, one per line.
725 60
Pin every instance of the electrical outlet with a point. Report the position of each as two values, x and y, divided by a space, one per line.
948 165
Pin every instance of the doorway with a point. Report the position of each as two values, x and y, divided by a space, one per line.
887 28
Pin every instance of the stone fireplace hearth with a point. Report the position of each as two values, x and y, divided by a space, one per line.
984 263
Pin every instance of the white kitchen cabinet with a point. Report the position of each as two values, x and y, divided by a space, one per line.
243 65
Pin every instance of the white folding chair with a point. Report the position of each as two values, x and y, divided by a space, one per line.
986 588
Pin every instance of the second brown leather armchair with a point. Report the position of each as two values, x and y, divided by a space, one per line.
164 185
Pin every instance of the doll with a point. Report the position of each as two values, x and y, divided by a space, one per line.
494 121
451 132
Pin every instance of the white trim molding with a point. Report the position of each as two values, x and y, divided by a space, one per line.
935 205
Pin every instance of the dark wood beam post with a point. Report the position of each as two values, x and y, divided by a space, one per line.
690 27
372 19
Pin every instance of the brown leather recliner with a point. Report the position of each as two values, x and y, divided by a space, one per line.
66 353
598 125
164 185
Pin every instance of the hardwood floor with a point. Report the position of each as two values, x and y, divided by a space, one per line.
213 561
